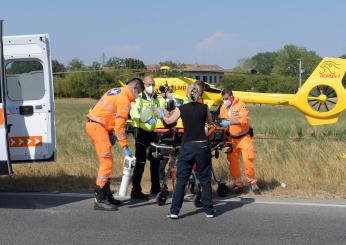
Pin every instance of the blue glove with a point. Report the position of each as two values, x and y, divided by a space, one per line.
152 121
160 113
225 123
127 152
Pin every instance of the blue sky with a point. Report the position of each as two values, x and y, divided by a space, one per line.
205 32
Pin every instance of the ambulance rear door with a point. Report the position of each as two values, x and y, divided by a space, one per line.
5 164
29 98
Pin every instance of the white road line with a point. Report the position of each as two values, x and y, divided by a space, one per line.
287 203
308 203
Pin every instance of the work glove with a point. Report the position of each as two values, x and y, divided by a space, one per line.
127 152
225 123
152 121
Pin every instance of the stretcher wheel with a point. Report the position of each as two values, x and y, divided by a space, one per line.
161 198
192 186
197 200
216 154
222 190
149 153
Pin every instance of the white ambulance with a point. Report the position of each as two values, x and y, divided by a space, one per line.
27 116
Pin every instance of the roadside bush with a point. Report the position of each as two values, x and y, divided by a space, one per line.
84 85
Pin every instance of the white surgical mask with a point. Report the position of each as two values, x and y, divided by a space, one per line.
227 103
149 89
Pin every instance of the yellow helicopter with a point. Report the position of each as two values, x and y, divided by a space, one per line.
322 97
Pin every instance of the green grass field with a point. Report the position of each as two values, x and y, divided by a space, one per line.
288 151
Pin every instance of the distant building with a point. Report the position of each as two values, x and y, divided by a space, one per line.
207 73
153 68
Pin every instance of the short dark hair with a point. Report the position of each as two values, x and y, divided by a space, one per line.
136 80
163 89
227 91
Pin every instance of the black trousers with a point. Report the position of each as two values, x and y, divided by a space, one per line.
189 154
143 140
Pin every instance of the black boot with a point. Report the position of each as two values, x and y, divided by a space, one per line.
101 200
136 192
110 196
236 189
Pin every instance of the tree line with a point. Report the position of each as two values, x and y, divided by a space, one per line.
273 71
264 72
79 80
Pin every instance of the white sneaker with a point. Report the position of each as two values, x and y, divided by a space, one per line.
212 215
172 216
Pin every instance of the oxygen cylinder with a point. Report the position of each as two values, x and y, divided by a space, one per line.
129 164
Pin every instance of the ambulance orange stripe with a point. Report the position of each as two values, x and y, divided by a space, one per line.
1 116
26 141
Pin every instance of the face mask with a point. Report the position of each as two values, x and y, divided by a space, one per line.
149 89
227 103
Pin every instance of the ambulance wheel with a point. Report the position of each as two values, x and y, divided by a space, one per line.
161 198
222 190
197 200
149 153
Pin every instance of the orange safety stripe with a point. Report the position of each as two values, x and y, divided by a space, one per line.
2 121
25 141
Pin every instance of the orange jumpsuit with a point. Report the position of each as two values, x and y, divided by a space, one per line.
110 113
238 115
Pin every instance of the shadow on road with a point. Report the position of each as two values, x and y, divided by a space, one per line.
61 182
29 200
222 206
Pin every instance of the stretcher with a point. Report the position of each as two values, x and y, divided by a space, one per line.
166 150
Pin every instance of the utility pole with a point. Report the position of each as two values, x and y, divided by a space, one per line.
300 73
103 58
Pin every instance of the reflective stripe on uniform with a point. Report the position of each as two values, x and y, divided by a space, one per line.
121 117
108 106
244 113
103 179
107 154
121 136
237 180
234 121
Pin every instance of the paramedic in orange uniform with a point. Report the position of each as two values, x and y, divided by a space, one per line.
236 120
106 123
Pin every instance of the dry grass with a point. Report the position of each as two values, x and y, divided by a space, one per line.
288 151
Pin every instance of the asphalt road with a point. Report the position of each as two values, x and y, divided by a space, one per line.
36 218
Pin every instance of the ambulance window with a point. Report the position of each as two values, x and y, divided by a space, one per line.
25 80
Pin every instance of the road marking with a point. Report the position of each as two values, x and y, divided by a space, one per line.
287 203
244 200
